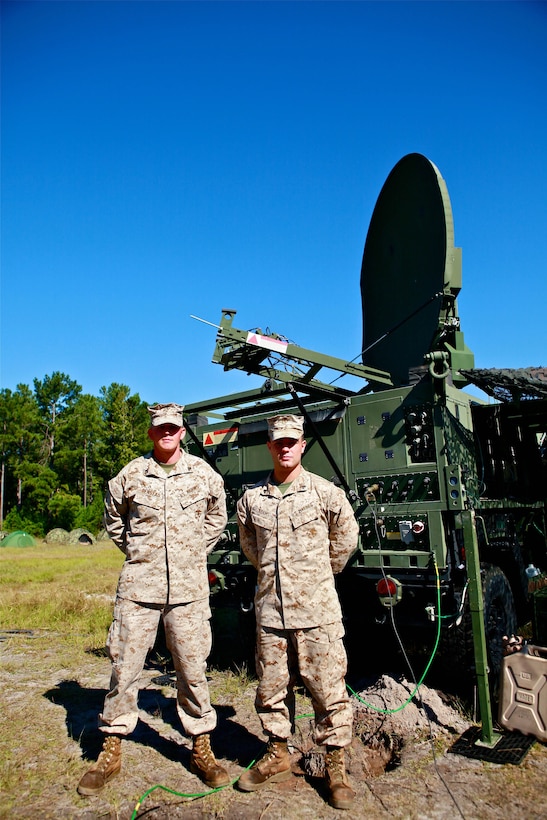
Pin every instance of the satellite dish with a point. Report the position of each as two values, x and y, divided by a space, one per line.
409 265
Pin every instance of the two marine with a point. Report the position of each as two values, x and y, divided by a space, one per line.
166 511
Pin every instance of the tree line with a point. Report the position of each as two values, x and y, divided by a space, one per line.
59 447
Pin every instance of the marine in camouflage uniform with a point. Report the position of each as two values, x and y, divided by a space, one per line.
298 530
165 511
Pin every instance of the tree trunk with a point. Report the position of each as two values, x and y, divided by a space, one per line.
85 473
2 495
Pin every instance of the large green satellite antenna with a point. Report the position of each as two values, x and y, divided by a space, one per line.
411 275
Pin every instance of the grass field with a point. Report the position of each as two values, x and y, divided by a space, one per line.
68 588
56 604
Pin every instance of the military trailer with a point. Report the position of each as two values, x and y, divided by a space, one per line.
449 490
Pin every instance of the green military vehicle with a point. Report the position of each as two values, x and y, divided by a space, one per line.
449 490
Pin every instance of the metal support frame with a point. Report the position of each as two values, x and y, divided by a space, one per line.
476 604
255 353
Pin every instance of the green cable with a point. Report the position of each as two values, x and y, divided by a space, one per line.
193 795
196 795
190 795
426 670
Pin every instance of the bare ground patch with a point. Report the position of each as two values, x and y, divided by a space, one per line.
400 761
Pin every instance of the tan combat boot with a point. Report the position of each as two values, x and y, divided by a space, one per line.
341 795
205 765
273 767
107 766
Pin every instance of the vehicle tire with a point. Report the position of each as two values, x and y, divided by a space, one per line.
457 648
500 618
507 555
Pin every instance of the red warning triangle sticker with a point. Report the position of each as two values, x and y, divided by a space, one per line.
208 439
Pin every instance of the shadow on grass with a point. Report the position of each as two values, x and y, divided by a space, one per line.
83 706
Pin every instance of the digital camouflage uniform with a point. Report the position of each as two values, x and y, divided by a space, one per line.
165 523
297 541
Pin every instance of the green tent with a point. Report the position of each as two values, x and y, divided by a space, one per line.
18 539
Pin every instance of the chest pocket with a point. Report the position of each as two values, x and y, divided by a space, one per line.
193 507
194 502
145 507
263 519
149 497
305 515
189 492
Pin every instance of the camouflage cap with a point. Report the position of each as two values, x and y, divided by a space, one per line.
285 427
166 414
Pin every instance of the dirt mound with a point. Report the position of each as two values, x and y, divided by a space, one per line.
392 705
389 713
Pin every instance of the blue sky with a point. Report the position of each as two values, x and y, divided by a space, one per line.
163 159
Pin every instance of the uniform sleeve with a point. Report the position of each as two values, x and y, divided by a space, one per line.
115 513
343 530
247 532
216 516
